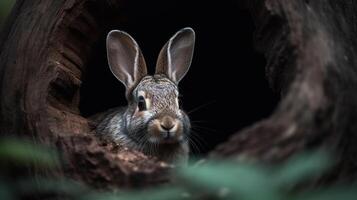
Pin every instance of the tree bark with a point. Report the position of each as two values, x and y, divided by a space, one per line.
44 48
309 46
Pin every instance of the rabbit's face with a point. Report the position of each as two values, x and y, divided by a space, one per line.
153 113
155 110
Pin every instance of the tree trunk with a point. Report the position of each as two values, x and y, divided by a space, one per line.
44 48
309 46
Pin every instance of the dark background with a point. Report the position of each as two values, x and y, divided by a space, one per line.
225 89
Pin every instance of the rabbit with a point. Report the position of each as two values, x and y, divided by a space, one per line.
152 122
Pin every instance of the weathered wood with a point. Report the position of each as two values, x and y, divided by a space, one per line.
310 47
44 49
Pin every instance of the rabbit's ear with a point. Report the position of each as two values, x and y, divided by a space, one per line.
176 56
125 58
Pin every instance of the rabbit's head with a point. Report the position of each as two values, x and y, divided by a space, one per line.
153 114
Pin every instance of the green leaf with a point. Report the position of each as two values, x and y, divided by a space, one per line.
302 167
25 153
5 191
5 8
48 185
335 193
172 193
241 180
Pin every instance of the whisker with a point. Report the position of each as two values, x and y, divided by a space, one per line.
198 140
155 148
200 107
142 143
192 144
209 130
149 148
198 121
196 135
195 147
194 124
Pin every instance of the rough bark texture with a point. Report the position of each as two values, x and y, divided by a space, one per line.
310 49
44 49
309 46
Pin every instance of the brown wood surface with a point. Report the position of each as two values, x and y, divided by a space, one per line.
44 49
310 47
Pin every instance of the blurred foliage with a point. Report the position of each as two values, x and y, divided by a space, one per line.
210 180
26 153
5 8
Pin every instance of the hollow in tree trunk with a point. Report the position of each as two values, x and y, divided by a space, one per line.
309 47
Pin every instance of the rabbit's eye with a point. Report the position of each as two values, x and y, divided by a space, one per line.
141 103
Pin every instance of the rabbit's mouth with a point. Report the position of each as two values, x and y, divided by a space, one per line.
165 134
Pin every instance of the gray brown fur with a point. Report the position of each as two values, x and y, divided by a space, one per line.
162 129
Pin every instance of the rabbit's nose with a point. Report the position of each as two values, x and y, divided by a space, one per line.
167 127
167 123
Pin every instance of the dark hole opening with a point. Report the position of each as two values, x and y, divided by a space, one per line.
225 89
